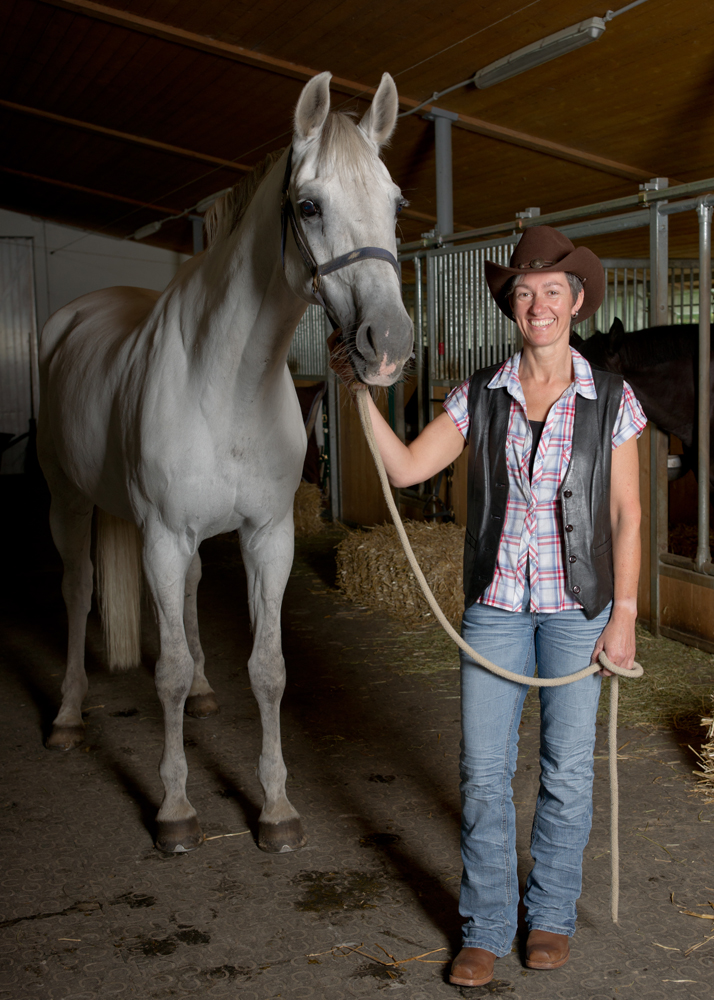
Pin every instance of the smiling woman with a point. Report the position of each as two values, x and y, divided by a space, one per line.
551 564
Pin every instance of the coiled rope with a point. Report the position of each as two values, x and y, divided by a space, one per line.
594 668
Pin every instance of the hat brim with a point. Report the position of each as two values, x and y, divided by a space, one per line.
581 262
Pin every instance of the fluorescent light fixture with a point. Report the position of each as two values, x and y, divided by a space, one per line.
567 40
153 227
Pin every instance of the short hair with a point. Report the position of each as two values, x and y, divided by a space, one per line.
576 284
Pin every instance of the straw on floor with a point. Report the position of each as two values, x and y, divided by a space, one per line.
373 571
706 760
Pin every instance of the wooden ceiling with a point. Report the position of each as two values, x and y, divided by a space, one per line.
115 116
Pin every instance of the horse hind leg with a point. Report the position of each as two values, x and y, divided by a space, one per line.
71 525
268 556
201 701
165 568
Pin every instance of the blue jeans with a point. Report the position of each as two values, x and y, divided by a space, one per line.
560 643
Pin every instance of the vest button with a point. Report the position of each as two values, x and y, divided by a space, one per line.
568 527
576 590
567 494
572 559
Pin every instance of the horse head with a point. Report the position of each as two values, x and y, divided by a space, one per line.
344 207
602 349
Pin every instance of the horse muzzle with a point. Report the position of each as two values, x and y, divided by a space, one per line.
382 349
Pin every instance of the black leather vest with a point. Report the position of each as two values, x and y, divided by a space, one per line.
584 492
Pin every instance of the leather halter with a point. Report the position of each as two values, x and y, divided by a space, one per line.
287 214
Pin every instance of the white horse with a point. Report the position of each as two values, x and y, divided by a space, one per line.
175 414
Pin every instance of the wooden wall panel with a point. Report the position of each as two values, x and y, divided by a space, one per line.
687 608
362 499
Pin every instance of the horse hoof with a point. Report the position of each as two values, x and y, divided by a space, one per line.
280 838
65 737
200 706
178 836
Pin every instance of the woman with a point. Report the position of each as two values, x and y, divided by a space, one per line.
551 566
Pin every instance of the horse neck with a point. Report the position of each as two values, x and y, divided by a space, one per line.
667 393
238 313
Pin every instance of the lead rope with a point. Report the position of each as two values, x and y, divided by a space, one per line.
594 668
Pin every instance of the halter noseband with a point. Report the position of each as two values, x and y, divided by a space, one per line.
287 214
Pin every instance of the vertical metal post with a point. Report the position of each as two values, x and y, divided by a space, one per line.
197 231
333 424
659 262
705 293
419 342
34 338
444 175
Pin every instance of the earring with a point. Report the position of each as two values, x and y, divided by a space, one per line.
575 314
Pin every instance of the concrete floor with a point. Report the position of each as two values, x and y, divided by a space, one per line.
90 909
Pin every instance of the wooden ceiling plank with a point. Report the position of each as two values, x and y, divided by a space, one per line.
555 149
191 154
170 33
296 71
93 191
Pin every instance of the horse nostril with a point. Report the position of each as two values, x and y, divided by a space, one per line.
365 342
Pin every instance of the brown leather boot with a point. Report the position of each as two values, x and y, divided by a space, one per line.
545 950
472 967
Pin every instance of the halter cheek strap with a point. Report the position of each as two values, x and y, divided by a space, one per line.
318 271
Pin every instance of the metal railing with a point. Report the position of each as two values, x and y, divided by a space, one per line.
307 357
465 328
628 294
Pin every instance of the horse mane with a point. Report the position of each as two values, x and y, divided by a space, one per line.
657 345
342 146
227 211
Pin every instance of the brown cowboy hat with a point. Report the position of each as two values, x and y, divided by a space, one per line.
543 249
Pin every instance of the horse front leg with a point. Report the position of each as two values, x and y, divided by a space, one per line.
268 556
71 525
201 701
165 568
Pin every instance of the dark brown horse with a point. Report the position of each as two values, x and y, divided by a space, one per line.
661 365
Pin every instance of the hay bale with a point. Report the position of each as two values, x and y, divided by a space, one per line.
307 510
706 761
372 570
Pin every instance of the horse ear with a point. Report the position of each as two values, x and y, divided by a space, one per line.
312 107
617 332
379 121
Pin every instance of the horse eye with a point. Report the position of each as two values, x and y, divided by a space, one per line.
308 209
400 206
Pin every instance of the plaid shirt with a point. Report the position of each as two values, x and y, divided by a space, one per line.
531 530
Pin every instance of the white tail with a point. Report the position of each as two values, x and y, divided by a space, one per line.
119 589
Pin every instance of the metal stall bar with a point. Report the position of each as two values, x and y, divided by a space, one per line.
659 442
643 200
704 211
419 342
334 455
703 207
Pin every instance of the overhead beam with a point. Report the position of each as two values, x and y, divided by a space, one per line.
554 149
296 71
138 140
408 213
93 191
